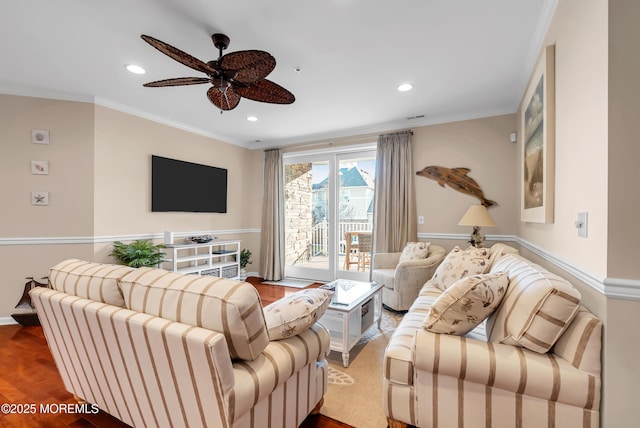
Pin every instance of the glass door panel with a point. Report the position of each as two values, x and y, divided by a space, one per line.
329 215
355 214
307 243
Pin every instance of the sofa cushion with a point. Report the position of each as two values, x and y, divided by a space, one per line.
580 344
498 250
466 303
296 313
537 308
460 263
230 307
414 251
94 281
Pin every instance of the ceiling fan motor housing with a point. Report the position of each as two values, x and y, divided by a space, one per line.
220 41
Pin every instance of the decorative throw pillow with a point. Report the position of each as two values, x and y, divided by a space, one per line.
414 251
466 303
459 264
538 307
296 313
498 250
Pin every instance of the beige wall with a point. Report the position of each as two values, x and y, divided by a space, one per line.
579 32
69 183
123 148
481 145
99 184
624 136
597 64
70 178
622 340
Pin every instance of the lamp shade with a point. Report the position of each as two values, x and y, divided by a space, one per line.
477 215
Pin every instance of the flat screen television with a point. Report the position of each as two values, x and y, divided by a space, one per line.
187 187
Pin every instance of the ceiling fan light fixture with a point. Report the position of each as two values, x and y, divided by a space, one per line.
135 69
405 87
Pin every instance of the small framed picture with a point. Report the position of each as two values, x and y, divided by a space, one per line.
39 167
40 136
39 198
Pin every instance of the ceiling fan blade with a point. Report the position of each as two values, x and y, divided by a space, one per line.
266 91
224 98
250 66
178 81
180 56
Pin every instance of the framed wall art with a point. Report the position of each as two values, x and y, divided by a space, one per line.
40 136
39 198
39 167
537 123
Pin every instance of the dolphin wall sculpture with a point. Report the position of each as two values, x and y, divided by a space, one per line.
457 179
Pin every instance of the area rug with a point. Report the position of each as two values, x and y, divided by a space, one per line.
290 282
354 395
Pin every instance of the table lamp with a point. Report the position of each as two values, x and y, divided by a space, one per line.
476 216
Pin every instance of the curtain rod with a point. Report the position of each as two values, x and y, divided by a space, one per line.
407 131
340 140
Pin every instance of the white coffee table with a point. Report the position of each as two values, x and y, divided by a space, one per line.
354 308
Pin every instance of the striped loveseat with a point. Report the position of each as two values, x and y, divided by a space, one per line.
534 363
157 349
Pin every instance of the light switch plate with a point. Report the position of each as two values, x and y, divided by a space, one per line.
582 224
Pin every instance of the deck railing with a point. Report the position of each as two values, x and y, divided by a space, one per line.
320 235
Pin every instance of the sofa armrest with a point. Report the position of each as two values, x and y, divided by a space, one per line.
510 368
385 260
281 359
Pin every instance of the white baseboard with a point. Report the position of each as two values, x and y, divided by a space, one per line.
7 321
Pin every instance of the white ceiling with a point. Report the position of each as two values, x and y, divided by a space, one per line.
465 58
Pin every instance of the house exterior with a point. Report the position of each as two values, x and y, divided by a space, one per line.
99 183
356 195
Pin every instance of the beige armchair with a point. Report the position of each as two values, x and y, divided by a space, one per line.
402 281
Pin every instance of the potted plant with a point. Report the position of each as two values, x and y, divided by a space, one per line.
138 253
245 259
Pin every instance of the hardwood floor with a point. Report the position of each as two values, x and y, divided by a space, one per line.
28 375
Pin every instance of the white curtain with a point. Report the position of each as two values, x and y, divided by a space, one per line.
271 245
395 207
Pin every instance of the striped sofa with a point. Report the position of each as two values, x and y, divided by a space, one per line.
524 367
157 349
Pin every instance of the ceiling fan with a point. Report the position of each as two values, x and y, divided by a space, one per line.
232 76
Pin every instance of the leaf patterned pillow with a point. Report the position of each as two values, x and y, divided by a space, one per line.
415 251
460 263
468 302
296 313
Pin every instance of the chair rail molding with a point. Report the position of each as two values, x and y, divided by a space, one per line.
614 288
62 240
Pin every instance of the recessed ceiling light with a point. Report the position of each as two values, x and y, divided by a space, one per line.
405 87
135 69
252 118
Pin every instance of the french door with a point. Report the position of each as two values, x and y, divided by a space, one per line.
329 213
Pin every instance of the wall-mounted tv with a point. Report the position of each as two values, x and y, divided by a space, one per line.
188 187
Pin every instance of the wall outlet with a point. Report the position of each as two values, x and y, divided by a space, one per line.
420 219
